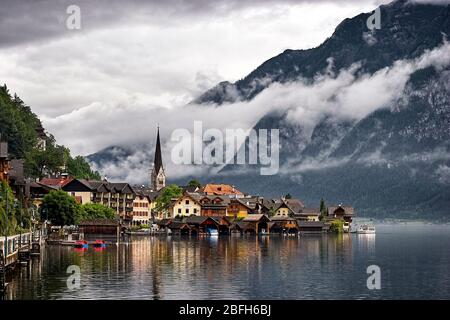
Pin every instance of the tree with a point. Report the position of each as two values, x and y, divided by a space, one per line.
168 193
337 226
288 196
194 183
60 208
8 222
90 211
323 210
18 126
79 168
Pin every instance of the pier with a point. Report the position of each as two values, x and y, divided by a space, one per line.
16 249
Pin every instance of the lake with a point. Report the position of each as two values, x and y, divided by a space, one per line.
414 261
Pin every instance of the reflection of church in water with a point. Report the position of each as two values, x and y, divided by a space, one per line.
157 174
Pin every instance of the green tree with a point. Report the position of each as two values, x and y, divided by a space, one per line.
79 168
60 208
90 211
323 210
8 222
288 196
337 226
167 194
194 183
18 126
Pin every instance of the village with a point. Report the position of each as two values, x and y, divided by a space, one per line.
193 209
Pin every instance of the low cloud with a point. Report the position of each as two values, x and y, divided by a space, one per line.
344 96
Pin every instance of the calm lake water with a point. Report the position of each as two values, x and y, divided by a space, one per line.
414 260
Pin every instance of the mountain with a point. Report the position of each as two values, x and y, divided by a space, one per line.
387 158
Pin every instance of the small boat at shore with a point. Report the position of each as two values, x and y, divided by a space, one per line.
99 244
81 244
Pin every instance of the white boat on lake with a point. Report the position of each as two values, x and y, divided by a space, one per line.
366 229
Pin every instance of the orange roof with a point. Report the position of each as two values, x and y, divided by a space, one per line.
55 182
220 189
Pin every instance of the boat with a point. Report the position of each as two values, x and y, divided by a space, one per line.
99 244
366 229
81 244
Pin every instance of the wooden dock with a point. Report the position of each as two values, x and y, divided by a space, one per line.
13 250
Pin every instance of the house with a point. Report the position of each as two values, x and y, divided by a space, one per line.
163 224
256 223
212 189
214 206
188 204
100 227
341 212
141 210
312 226
281 224
239 208
118 196
37 191
143 206
179 227
288 207
308 214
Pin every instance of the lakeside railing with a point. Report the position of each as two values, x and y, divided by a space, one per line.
10 245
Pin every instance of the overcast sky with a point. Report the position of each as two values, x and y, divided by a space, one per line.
108 82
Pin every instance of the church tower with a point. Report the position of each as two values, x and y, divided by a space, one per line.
157 175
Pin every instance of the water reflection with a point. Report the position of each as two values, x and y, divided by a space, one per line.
237 267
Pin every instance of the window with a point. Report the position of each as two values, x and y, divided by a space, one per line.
187 202
187 211
179 210
195 210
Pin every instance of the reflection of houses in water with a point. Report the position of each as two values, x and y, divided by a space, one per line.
366 242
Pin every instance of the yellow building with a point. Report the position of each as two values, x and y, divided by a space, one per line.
240 208
188 204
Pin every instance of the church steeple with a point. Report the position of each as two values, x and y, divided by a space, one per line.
158 177
158 158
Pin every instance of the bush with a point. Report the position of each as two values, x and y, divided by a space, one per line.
337 226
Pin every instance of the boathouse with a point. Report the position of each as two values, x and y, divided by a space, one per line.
99 228
256 223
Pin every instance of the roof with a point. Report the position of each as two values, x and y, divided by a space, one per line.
56 182
255 217
281 218
348 210
221 189
195 219
163 222
309 212
99 222
295 205
312 224
158 158
177 225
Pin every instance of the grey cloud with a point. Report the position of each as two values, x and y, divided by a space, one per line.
33 21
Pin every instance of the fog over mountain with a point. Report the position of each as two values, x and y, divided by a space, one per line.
364 118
